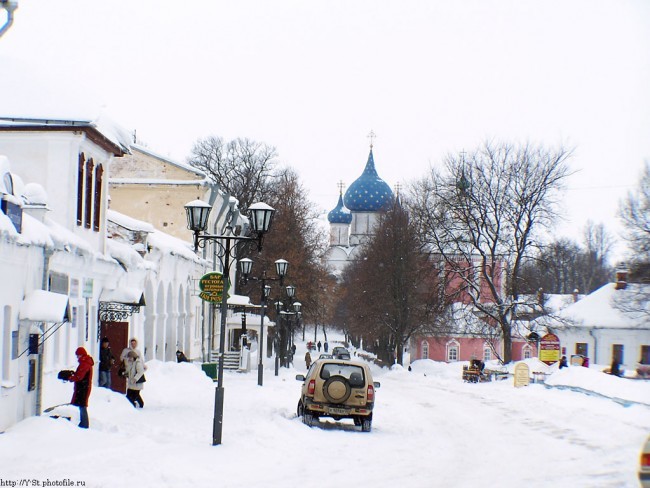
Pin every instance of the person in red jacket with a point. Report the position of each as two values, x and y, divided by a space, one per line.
83 383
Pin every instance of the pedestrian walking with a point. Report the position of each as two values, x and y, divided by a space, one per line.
106 362
308 359
134 379
319 345
326 346
563 363
83 383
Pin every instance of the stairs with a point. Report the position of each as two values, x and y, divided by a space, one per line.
230 359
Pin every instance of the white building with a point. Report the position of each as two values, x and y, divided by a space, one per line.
605 325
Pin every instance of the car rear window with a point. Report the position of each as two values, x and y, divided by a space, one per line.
352 373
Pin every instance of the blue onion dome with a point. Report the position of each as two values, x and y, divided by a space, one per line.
368 193
340 214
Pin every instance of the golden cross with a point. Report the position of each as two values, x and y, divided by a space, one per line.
341 185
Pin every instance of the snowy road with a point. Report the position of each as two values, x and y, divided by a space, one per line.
428 431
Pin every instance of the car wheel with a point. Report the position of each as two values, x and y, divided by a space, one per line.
357 421
300 409
337 389
308 419
366 425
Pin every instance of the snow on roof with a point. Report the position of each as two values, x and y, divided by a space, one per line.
129 222
598 309
124 254
184 166
156 181
172 245
44 306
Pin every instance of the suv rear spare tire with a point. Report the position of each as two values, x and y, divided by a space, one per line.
337 389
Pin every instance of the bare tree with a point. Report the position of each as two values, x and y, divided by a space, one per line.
635 215
564 266
242 168
480 218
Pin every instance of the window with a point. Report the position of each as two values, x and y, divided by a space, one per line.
582 349
99 172
453 351
58 283
14 344
527 352
617 353
88 200
645 355
425 350
487 353
80 188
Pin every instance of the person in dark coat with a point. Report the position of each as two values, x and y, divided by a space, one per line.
319 345
308 359
106 362
180 357
83 383
563 363
616 368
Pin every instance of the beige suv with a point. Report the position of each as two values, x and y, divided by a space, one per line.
338 389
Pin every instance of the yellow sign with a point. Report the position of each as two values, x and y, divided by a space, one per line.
211 286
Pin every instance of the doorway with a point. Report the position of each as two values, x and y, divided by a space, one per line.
118 337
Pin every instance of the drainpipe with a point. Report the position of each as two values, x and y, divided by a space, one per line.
591 333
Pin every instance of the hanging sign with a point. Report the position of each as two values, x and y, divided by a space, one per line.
549 349
211 286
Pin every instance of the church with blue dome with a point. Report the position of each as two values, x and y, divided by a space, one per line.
353 219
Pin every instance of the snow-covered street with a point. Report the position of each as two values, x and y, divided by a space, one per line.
429 429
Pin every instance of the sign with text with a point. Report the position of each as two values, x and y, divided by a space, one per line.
211 286
549 349
522 375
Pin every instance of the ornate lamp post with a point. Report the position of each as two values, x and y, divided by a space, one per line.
198 212
286 336
281 266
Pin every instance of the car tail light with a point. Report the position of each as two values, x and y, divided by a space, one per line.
311 387
371 393
645 459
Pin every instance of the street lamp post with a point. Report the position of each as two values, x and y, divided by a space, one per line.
281 267
287 335
198 212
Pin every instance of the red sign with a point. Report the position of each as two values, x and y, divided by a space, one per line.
549 349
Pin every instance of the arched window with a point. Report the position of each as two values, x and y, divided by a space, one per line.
80 188
425 350
487 353
99 173
89 193
527 352
453 351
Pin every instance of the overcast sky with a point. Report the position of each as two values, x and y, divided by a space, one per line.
313 78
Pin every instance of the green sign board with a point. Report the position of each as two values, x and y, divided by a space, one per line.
211 286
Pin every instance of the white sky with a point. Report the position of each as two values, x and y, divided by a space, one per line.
429 429
313 78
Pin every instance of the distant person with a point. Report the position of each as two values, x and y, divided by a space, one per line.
616 368
133 346
293 349
83 383
106 362
563 363
134 379
308 359
180 357
319 345
326 346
